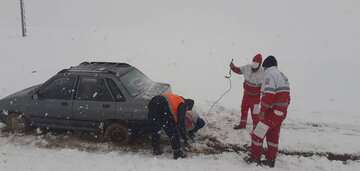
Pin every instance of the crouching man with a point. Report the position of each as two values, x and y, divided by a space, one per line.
167 112
275 100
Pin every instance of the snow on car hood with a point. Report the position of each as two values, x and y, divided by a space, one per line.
156 89
23 92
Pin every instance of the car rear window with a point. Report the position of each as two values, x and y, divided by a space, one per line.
135 82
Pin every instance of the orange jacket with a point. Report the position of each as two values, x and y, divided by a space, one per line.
174 102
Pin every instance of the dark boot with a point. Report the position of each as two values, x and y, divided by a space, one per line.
179 154
239 127
250 160
156 150
270 163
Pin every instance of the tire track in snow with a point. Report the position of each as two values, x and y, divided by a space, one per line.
206 145
215 147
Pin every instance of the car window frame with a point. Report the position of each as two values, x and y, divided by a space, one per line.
48 82
96 77
123 99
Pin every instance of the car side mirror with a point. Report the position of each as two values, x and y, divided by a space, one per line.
35 96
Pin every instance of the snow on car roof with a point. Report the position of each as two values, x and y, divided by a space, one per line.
110 67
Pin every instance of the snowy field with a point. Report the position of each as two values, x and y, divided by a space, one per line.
33 159
64 152
189 44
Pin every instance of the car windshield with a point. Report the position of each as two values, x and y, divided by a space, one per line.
136 82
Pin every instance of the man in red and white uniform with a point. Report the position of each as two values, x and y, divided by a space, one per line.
275 100
253 76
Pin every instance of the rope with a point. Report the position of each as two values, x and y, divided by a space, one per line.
219 99
227 91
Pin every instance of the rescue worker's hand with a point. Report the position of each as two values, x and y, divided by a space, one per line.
232 66
235 68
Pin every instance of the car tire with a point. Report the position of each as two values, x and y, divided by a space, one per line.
17 123
117 133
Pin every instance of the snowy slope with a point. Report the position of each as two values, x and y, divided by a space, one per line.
189 44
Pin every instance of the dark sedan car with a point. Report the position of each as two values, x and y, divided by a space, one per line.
109 98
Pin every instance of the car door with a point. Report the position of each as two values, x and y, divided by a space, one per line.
53 102
92 102
124 106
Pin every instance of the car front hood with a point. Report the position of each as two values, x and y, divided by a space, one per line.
23 92
16 102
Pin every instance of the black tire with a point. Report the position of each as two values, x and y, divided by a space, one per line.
17 123
117 133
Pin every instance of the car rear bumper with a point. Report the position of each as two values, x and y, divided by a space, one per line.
3 117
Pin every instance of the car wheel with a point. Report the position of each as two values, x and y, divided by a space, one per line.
117 133
17 123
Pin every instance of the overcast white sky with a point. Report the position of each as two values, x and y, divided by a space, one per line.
189 44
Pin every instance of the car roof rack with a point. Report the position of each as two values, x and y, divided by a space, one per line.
63 71
110 64
99 67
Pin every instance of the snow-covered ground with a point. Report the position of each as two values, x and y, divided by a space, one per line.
295 136
189 44
63 152
17 157
34 159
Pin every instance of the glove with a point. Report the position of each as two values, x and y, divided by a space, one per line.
232 66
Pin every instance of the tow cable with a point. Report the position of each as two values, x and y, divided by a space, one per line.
228 77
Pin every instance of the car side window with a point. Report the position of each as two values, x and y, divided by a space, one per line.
115 90
60 88
93 89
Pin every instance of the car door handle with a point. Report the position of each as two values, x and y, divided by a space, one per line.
64 104
106 106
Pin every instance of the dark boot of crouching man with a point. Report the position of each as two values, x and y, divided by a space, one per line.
179 154
157 151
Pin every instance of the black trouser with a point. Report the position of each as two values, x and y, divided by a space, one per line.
161 118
